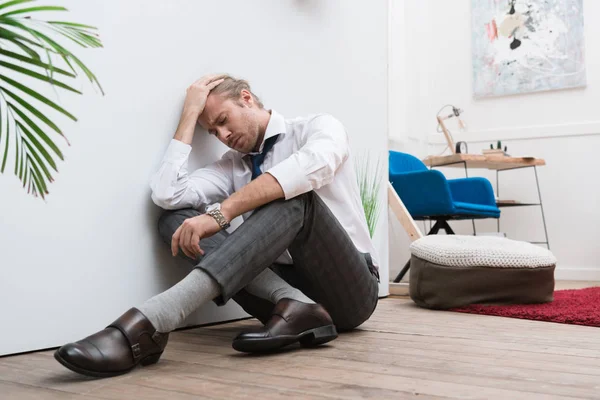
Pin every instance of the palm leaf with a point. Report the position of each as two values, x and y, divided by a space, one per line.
48 67
71 24
39 186
79 36
32 53
37 96
10 35
40 133
37 76
61 50
27 172
36 164
32 110
7 141
17 153
36 172
21 169
13 3
57 48
38 146
33 9
20 40
35 62
24 41
32 150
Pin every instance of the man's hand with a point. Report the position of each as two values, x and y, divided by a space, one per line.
190 232
197 93
195 101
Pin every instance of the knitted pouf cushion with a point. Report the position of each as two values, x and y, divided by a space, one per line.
454 270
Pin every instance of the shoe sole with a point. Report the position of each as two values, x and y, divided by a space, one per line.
96 374
310 338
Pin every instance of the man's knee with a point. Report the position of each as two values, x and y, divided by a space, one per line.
349 321
170 220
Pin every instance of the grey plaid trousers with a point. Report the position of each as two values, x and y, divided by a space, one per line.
327 266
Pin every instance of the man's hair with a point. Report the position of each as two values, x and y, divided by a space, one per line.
231 88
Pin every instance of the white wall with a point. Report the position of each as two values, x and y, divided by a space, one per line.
540 125
72 264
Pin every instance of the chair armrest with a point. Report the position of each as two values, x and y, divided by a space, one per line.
472 190
424 193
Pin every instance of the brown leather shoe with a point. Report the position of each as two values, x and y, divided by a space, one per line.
292 321
117 349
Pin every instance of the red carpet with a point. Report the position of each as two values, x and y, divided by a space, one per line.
578 307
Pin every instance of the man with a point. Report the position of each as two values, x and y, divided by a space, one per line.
302 262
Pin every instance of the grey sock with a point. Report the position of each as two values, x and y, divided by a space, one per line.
270 286
169 309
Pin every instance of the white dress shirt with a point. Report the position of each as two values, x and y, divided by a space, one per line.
312 153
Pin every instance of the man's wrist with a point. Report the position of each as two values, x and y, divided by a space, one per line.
227 211
193 113
185 129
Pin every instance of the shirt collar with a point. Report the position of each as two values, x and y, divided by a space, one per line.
275 126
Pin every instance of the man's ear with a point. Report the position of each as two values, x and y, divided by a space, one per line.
246 98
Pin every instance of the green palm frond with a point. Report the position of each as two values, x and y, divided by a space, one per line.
30 50
369 183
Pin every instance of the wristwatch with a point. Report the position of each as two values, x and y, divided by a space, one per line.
214 210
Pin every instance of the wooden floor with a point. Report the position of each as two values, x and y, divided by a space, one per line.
401 352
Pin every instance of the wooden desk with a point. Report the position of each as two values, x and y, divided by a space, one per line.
494 162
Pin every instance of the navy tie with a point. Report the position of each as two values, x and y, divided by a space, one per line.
257 159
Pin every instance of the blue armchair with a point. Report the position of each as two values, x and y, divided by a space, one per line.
428 195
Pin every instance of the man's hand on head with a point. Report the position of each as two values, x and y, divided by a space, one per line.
193 106
189 234
197 93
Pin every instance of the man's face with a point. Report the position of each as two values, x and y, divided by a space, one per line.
235 123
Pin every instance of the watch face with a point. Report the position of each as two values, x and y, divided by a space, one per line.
463 147
212 207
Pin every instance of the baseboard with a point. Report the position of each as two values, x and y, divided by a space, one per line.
577 274
399 289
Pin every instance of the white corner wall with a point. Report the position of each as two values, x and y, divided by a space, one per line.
72 264
562 127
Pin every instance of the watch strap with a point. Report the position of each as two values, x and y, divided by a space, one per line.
218 216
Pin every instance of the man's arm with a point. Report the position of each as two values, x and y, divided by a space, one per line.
172 186
324 148
260 191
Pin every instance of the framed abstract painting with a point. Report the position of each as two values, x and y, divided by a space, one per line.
524 46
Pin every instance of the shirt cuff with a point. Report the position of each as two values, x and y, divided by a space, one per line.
291 178
177 151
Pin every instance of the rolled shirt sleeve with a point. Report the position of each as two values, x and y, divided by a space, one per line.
173 187
324 148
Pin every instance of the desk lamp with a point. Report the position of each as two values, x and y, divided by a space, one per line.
459 147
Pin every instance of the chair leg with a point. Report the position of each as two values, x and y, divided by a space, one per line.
441 224
435 228
402 272
445 226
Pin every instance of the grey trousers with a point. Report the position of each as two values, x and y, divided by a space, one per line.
327 266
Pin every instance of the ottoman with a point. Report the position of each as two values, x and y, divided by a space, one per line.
449 271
